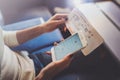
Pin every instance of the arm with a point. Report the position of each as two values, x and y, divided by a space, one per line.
50 25
18 37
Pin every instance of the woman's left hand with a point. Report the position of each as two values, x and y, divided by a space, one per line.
54 21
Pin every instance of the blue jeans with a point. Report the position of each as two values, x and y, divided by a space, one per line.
40 60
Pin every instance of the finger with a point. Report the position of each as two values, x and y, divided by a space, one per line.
60 21
69 57
48 52
55 43
59 16
65 29
62 39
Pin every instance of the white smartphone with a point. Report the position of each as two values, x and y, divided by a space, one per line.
70 45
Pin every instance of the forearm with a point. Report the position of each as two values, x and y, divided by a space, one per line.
50 25
30 33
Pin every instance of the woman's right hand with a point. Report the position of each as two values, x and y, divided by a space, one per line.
54 68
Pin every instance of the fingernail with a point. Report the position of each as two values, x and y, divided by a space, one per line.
71 55
66 18
55 43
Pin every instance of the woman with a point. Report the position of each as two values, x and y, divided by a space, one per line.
15 66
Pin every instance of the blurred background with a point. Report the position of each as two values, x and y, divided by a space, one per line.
18 10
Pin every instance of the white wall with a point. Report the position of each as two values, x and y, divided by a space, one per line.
12 8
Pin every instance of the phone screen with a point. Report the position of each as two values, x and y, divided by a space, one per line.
68 46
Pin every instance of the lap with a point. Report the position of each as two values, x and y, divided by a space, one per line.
40 60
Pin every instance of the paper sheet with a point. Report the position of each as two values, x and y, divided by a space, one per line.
78 23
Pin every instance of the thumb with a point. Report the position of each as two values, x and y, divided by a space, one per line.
66 60
60 21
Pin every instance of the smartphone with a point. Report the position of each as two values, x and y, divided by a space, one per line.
70 45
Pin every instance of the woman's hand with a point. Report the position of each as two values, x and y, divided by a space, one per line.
50 25
54 68
54 21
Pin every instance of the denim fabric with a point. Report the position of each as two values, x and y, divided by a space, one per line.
40 60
